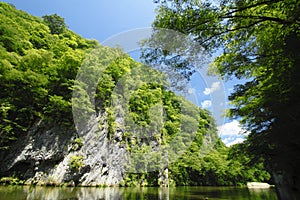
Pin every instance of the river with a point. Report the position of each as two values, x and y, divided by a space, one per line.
150 193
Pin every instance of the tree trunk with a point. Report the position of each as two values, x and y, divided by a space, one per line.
287 184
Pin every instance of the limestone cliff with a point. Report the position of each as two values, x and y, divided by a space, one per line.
45 154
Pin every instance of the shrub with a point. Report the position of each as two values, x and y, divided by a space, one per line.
76 162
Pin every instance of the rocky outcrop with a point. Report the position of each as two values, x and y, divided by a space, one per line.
258 185
51 154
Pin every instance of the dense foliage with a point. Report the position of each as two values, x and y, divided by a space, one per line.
39 61
37 69
260 41
222 166
203 160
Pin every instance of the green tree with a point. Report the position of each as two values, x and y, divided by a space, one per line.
260 40
56 23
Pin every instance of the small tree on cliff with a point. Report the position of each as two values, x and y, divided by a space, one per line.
55 23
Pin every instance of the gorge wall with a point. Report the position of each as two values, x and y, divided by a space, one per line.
45 156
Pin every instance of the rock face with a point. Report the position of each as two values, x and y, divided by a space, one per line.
57 156
257 185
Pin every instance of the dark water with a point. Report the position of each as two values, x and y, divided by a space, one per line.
152 193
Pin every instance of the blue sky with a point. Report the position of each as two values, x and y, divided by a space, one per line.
97 19
100 20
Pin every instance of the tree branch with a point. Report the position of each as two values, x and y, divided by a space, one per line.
263 18
230 30
252 6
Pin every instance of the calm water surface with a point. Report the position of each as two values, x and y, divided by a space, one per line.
151 193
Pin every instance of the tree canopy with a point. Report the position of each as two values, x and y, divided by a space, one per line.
260 42
37 69
55 22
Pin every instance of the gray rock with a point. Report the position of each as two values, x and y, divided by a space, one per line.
44 156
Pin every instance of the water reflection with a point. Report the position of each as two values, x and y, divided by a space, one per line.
115 193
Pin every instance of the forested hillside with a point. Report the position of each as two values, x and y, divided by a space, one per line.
39 144
37 71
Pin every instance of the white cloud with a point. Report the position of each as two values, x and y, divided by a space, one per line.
206 104
236 141
230 129
231 133
214 86
228 139
191 91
